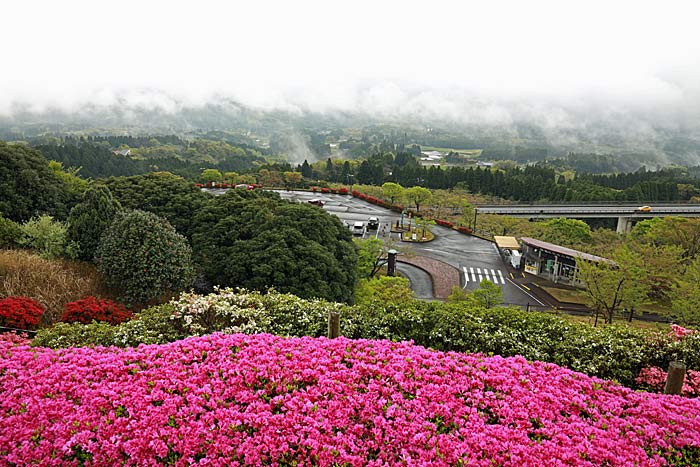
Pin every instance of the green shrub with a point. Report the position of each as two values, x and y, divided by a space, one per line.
45 235
89 219
150 326
142 255
10 233
63 335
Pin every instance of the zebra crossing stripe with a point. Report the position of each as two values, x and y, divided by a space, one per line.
489 274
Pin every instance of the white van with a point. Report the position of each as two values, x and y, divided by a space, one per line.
358 228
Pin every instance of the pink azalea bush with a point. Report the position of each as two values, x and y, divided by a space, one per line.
654 379
679 332
240 400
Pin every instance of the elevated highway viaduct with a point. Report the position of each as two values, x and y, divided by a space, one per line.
626 214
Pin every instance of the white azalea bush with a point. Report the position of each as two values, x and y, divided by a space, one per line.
224 311
250 312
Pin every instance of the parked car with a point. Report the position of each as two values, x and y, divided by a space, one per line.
373 223
317 202
358 228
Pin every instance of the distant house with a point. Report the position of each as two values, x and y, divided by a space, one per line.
484 164
122 152
431 156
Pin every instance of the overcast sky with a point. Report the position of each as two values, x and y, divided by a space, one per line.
375 56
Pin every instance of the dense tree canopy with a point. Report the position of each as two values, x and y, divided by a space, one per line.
161 193
256 240
28 187
142 255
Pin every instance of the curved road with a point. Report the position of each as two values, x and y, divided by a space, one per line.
475 258
421 283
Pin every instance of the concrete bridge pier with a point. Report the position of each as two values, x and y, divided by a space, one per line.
624 225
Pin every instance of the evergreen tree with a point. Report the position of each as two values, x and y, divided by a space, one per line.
89 219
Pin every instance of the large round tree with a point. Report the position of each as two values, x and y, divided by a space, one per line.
258 241
89 219
143 256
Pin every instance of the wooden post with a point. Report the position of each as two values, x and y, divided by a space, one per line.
333 324
674 378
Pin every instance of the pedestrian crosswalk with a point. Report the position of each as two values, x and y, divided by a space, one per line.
476 275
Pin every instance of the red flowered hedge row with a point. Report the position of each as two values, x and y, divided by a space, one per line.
372 199
20 312
92 309
444 223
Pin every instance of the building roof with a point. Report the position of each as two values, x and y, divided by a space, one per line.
509 243
563 250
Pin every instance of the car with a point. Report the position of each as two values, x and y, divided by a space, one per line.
317 202
373 223
358 228
643 209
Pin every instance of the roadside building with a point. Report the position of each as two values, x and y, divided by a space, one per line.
554 262
509 248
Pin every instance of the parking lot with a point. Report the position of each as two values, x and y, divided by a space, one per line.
349 210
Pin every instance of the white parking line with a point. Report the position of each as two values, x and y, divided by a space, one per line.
495 279
466 277
473 276
499 273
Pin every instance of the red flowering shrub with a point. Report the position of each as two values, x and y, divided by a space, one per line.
444 223
20 312
466 230
92 309
314 189
342 190
325 190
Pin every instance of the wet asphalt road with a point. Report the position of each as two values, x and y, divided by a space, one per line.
475 258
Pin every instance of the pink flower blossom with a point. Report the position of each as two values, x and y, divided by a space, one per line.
250 400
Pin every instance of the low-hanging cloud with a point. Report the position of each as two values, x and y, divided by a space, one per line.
568 68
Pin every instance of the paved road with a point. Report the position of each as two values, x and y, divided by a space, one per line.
475 258
421 283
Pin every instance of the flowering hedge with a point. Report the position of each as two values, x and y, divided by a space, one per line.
237 400
20 312
444 223
611 352
94 309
